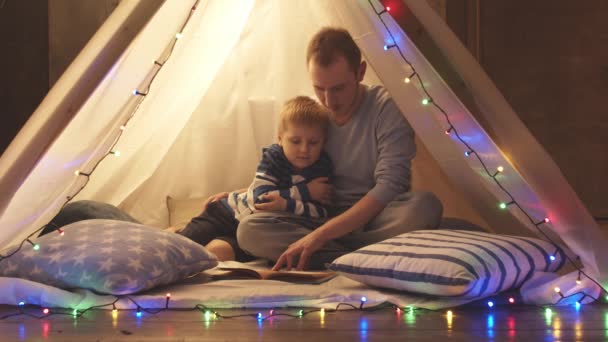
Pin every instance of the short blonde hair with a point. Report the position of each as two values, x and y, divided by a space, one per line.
302 110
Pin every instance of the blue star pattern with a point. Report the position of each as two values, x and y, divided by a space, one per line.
108 256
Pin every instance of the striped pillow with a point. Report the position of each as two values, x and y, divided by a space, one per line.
450 262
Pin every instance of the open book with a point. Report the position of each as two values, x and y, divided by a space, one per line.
238 270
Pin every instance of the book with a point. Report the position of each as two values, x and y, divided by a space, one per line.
237 270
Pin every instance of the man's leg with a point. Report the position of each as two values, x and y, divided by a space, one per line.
267 235
408 212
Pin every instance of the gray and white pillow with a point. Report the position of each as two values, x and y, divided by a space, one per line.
450 262
108 256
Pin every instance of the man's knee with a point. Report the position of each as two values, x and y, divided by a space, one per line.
429 205
250 233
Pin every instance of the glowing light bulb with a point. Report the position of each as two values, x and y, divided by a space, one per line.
388 8
500 169
178 35
364 299
557 290
490 304
260 316
168 295
467 153
21 303
115 153
77 173
301 313
425 102
577 305
407 80
138 313
547 220
36 247
123 127
60 231
502 205
45 311
75 313
511 300
552 257
114 313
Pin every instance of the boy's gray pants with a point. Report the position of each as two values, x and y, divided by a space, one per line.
267 235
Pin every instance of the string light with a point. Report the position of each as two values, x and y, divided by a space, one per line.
138 313
137 92
179 35
468 153
60 231
426 101
35 246
389 46
511 300
499 169
503 205
558 291
578 279
409 78
115 153
449 130
490 304
46 311
80 173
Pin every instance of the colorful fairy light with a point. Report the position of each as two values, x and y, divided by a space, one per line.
511 300
490 304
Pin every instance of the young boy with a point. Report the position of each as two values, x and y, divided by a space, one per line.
280 182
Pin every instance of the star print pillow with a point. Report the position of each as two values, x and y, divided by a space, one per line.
108 256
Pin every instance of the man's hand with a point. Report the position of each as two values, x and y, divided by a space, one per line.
303 248
272 202
320 190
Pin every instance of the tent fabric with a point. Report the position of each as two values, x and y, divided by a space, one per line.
199 129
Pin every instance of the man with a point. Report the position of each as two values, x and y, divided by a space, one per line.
371 145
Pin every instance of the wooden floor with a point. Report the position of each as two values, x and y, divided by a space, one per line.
589 323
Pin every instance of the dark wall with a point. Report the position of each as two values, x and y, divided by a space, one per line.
550 60
23 62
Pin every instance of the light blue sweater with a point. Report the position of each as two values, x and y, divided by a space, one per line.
372 152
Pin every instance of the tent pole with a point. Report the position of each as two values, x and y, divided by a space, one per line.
70 93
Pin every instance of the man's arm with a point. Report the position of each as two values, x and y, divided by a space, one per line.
354 218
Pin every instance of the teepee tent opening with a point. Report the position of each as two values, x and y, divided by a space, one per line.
190 106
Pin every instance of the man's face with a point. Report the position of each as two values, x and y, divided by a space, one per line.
336 85
302 144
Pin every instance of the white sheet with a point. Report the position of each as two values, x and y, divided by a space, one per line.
267 294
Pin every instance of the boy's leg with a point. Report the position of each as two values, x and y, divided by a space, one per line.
408 212
216 228
86 210
267 235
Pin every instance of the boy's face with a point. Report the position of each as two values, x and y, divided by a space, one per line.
336 85
302 144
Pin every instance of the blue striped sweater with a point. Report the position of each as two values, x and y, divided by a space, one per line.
275 174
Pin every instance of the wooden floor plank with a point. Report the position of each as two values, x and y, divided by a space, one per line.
590 323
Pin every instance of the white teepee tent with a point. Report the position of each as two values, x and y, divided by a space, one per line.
209 108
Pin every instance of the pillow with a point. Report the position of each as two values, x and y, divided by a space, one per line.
181 211
450 262
108 256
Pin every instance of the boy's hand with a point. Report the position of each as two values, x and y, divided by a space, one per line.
272 202
213 198
320 190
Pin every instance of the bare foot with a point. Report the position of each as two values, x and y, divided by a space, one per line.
222 250
172 229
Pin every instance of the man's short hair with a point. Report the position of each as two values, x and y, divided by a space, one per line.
330 43
302 110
